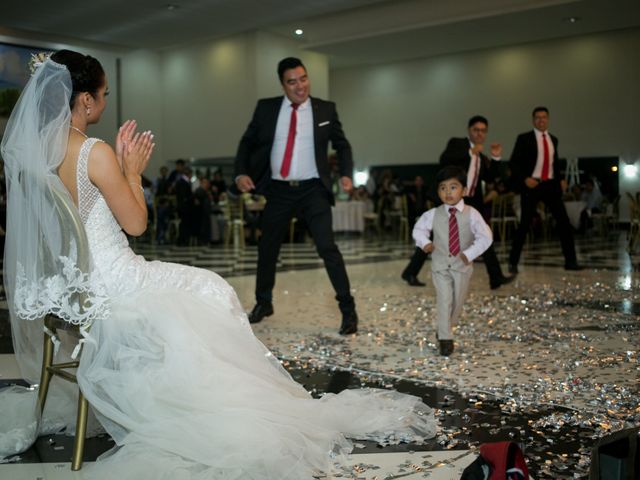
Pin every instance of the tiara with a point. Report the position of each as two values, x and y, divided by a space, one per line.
37 59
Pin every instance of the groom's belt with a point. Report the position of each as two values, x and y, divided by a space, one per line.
295 183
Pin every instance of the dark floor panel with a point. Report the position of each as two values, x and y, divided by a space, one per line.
547 434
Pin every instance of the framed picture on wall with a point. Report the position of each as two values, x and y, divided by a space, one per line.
14 74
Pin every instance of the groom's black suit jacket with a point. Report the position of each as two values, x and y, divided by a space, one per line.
524 158
254 152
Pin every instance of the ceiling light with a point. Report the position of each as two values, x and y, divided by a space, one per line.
172 6
299 31
571 19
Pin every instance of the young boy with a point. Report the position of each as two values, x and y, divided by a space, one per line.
459 236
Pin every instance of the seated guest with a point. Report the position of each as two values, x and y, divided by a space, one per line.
202 212
218 182
416 199
161 184
592 196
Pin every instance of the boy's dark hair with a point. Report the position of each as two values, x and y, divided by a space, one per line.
450 172
287 64
477 118
539 109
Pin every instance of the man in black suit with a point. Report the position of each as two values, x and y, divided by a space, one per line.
536 176
283 155
467 153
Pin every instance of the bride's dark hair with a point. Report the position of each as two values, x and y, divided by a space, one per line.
87 75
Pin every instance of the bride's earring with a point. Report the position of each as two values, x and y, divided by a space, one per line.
88 111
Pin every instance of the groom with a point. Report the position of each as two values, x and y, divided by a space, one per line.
283 155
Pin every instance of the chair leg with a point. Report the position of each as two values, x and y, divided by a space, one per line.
227 233
292 230
81 432
45 375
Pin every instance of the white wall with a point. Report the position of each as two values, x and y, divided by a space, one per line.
271 48
207 92
405 112
141 97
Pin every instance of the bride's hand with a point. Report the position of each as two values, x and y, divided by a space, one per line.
125 133
137 152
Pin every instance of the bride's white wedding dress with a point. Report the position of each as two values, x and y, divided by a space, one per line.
178 379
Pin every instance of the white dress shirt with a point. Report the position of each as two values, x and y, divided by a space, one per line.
537 172
474 171
482 237
303 160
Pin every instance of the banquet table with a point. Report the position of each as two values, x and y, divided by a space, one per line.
348 216
574 210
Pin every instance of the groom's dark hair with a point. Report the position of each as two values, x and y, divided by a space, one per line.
287 64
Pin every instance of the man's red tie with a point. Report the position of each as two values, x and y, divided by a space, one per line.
545 162
474 177
454 235
288 151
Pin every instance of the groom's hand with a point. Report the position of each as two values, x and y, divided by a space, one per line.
347 184
244 183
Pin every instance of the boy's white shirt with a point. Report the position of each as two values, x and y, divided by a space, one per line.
482 236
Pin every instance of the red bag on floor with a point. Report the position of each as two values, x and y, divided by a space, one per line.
504 460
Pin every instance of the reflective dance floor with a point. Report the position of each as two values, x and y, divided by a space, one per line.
549 361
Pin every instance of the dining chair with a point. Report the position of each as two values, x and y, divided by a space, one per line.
233 210
72 229
403 219
508 215
634 222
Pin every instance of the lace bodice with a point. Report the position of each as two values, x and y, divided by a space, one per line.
88 193
121 270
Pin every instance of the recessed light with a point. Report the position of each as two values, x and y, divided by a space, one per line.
172 6
299 31
571 19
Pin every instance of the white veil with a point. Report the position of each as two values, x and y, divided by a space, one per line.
42 273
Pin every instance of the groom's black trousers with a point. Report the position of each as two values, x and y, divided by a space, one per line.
309 200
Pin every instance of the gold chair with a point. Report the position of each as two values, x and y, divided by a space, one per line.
496 217
508 214
233 211
403 219
292 228
372 219
173 224
634 222
70 221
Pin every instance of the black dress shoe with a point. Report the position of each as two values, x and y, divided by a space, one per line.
349 323
513 268
412 280
503 281
446 347
573 266
260 311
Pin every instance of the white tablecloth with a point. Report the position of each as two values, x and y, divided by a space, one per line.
574 209
349 216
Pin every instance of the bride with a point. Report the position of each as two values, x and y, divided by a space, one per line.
170 364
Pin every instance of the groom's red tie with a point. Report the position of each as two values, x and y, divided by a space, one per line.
288 151
545 159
